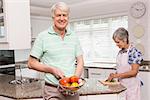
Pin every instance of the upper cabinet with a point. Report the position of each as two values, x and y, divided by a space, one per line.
15 28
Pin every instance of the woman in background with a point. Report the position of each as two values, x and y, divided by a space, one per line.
128 63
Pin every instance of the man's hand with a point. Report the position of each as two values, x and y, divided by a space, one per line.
57 73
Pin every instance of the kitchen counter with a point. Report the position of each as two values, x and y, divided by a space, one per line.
94 87
101 65
34 89
26 90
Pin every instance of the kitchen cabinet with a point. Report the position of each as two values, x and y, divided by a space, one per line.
88 97
120 96
99 73
103 97
83 98
33 99
145 89
17 33
5 98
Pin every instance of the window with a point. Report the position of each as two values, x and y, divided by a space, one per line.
95 36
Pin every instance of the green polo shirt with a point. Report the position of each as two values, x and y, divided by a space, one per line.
53 51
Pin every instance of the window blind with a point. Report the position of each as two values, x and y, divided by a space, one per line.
95 36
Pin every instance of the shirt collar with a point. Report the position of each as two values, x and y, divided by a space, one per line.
52 32
123 51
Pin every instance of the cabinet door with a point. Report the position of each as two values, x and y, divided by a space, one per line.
5 98
83 98
103 97
121 96
145 89
17 32
99 73
33 99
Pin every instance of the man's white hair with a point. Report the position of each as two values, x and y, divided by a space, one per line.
60 5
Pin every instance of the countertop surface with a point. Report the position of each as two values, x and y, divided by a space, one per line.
26 90
35 89
94 87
101 65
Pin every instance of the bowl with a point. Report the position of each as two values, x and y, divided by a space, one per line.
72 86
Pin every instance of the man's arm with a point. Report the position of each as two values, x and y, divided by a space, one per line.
34 63
79 68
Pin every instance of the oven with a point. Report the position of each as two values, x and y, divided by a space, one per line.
7 62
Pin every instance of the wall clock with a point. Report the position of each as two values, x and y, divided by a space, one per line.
138 9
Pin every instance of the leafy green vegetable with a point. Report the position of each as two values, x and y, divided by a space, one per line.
111 81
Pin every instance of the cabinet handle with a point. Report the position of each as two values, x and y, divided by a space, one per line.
95 73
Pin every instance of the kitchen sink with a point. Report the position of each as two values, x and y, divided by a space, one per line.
23 81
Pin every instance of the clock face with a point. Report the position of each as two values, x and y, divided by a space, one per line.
138 9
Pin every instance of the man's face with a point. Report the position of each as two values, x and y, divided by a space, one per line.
60 19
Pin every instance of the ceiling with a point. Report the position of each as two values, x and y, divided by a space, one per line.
79 8
42 7
49 3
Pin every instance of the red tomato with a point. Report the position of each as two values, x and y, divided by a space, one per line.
64 81
74 79
67 84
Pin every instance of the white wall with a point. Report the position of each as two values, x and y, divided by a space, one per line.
39 24
99 7
143 21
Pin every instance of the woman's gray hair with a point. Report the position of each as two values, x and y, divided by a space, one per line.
60 5
122 34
